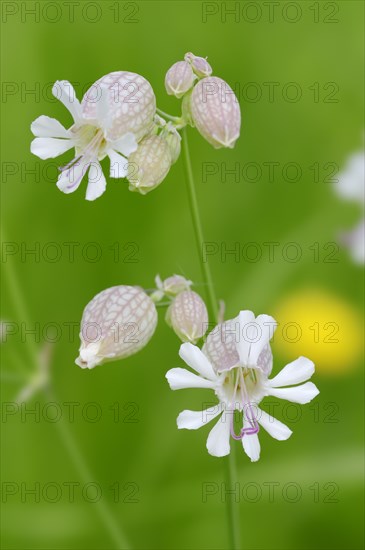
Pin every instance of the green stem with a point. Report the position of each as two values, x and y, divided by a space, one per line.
166 115
198 230
230 466
85 474
67 439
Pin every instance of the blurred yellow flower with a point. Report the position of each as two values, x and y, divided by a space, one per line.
322 326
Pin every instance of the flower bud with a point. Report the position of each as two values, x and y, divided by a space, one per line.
215 112
199 65
173 140
179 79
149 164
125 100
173 285
221 348
118 322
188 316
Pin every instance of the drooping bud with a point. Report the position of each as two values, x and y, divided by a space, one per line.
118 322
173 139
179 79
124 100
173 285
199 65
149 164
188 316
215 112
221 348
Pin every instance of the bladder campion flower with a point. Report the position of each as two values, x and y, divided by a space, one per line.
236 362
115 113
118 322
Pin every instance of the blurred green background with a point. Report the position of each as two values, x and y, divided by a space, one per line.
161 469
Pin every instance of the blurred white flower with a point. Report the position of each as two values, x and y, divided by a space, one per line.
236 362
114 115
118 322
350 186
354 240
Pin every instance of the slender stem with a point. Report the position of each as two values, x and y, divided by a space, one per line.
81 466
199 237
66 437
230 465
169 117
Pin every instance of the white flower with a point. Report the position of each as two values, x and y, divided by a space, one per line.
354 240
350 184
115 113
236 362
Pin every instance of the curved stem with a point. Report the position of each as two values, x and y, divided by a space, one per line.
114 529
230 474
169 117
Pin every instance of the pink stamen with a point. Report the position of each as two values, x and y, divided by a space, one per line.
254 428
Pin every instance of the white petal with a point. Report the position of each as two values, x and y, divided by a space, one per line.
182 378
299 394
97 182
45 126
251 446
63 90
218 438
71 178
118 165
243 345
273 426
263 330
196 359
192 420
49 148
103 112
295 372
126 144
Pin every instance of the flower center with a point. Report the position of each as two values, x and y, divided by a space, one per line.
89 142
241 390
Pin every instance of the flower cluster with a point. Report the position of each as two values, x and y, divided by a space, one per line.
121 320
209 103
117 118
